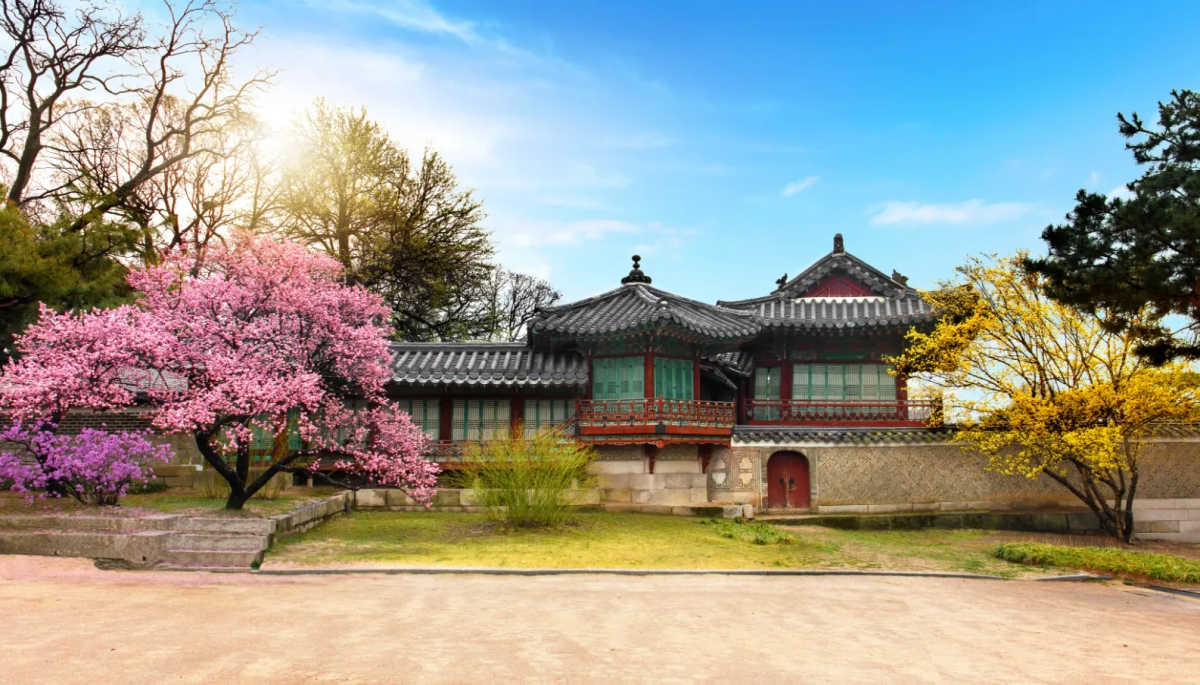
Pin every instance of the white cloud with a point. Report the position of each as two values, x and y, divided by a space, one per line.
1121 192
409 14
799 186
545 233
969 212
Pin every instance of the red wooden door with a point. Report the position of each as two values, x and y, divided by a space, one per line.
787 481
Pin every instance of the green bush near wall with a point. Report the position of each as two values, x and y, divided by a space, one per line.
1164 567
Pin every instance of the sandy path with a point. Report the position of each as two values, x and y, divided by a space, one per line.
64 621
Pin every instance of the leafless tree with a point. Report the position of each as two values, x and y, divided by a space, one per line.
198 199
95 108
513 299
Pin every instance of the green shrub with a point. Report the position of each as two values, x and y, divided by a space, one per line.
756 532
1163 567
524 482
148 488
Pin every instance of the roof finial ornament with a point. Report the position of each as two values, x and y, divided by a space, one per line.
781 281
899 277
839 245
635 274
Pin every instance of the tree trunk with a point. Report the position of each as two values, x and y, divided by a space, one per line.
237 490
236 499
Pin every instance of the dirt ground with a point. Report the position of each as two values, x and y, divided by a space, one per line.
61 620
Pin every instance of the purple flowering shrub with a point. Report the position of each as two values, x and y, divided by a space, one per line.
94 467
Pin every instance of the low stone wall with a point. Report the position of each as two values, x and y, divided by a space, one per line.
308 515
1176 520
446 499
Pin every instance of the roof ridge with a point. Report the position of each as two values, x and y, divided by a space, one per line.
464 344
689 300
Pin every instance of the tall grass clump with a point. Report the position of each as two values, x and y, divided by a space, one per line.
524 481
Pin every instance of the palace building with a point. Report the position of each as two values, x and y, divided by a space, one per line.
783 402
688 402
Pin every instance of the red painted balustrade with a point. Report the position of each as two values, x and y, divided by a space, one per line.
883 413
655 415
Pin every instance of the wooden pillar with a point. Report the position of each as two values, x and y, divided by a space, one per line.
590 373
785 390
696 377
445 417
516 415
648 375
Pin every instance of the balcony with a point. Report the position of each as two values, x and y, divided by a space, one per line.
881 413
654 420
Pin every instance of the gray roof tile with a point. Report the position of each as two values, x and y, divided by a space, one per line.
790 435
893 305
636 306
485 364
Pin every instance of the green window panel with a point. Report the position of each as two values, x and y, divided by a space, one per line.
539 414
838 382
480 420
767 387
673 378
425 414
262 439
618 378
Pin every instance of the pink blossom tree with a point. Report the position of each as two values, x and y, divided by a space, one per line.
238 340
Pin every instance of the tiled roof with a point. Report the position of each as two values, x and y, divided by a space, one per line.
637 306
739 362
850 436
794 435
893 304
825 313
844 262
485 364
833 263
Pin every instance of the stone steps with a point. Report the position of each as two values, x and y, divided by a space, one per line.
217 541
227 525
210 558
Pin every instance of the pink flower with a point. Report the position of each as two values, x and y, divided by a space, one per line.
254 333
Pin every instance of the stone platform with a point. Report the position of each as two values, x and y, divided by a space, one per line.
121 539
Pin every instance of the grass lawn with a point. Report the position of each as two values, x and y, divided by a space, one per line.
174 501
610 540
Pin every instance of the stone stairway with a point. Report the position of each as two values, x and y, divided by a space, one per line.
217 544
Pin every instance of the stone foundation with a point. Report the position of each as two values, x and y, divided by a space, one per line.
667 477
1175 520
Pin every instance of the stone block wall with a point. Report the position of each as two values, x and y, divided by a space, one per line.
895 478
623 476
733 477
1172 519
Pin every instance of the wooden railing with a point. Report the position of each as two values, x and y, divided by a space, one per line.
845 412
654 415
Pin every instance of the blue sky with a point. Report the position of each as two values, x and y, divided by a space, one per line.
727 144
